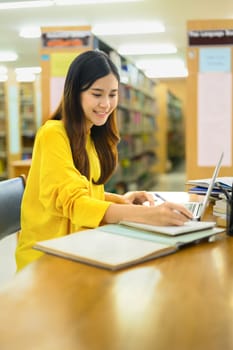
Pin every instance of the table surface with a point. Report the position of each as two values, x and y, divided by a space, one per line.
183 301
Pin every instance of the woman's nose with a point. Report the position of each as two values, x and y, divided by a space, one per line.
105 102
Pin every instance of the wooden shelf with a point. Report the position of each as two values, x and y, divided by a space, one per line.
3 132
27 117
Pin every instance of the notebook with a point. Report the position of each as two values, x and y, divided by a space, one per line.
117 246
104 249
198 208
188 227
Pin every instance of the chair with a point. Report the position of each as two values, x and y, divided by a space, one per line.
11 192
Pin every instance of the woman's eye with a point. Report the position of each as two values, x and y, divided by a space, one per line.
99 95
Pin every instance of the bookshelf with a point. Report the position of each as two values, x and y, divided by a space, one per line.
136 111
171 136
27 116
136 114
175 132
3 132
20 117
137 148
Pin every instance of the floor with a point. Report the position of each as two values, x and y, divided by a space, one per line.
173 181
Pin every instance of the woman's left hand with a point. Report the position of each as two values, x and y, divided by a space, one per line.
139 197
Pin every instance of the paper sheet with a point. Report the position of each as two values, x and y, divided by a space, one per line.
214 118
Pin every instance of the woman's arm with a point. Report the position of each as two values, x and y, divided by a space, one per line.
133 197
115 198
164 214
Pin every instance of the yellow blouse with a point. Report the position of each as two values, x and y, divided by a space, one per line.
58 200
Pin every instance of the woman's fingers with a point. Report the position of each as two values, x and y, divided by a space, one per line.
174 214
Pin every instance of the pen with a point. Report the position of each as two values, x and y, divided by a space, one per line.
164 200
159 196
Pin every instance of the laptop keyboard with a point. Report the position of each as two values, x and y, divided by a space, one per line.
194 207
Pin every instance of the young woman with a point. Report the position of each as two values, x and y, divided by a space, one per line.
75 153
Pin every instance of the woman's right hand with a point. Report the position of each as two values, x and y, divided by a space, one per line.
168 214
165 214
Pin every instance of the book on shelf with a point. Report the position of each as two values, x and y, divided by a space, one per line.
225 182
117 246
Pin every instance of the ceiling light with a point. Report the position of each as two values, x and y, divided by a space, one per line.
3 70
25 4
8 56
127 28
25 77
45 3
30 32
3 74
88 2
148 63
3 77
163 68
26 70
171 72
146 49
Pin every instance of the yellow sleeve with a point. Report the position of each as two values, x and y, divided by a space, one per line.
63 190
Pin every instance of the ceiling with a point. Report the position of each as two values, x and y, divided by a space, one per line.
172 13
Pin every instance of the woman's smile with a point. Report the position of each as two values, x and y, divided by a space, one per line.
99 101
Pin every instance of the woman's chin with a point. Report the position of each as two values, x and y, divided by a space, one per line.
100 122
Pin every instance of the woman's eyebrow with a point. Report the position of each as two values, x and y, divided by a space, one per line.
100 90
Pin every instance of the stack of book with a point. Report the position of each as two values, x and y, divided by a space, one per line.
220 211
220 207
200 186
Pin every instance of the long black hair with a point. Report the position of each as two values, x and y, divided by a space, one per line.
85 69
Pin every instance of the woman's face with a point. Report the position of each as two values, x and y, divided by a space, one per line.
100 100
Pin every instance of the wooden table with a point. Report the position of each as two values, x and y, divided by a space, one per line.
183 301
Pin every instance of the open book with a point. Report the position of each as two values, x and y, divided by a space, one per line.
117 246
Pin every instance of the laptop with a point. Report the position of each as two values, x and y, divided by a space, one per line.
198 208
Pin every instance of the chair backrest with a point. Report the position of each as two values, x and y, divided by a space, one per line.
11 192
